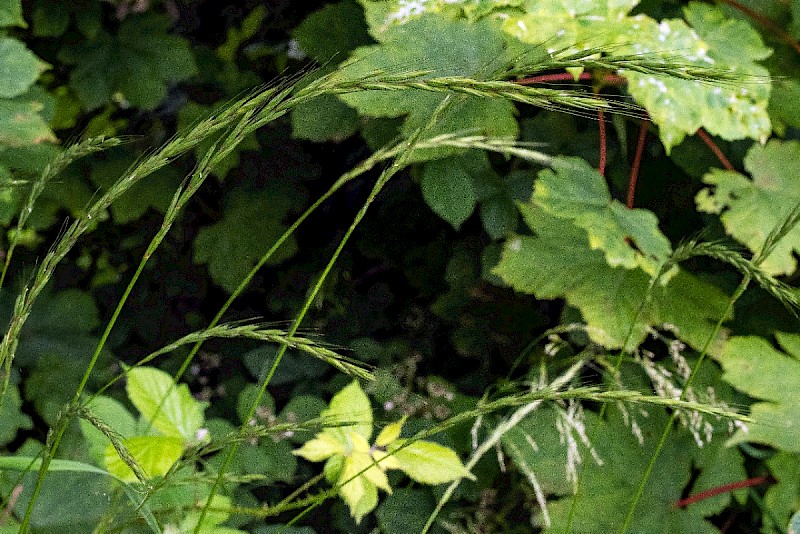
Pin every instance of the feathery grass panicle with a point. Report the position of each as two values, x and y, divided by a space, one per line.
52 169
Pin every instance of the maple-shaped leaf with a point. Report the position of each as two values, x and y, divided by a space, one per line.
135 65
574 190
611 474
445 48
751 208
754 366
251 222
557 262
679 107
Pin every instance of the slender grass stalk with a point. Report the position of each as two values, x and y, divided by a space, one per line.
384 178
55 167
244 117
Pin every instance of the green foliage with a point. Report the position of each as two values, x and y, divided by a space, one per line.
754 367
360 470
132 66
251 222
750 208
490 266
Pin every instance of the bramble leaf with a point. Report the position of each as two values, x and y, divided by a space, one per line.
19 67
448 190
558 263
11 13
444 47
752 365
629 238
252 221
752 208
606 490
134 66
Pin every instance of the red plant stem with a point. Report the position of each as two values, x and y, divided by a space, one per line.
637 162
701 133
726 488
766 22
601 167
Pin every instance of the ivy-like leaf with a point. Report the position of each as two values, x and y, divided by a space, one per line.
557 263
753 366
607 489
752 208
170 408
252 221
133 66
575 191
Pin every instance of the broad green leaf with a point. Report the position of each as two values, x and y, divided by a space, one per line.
321 448
752 365
499 216
11 13
31 464
751 208
357 491
11 417
448 190
216 515
427 462
169 407
325 118
154 454
405 510
678 107
191 113
629 238
19 67
252 221
557 263
134 66
23 123
783 498
153 191
349 407
390 433
606 490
